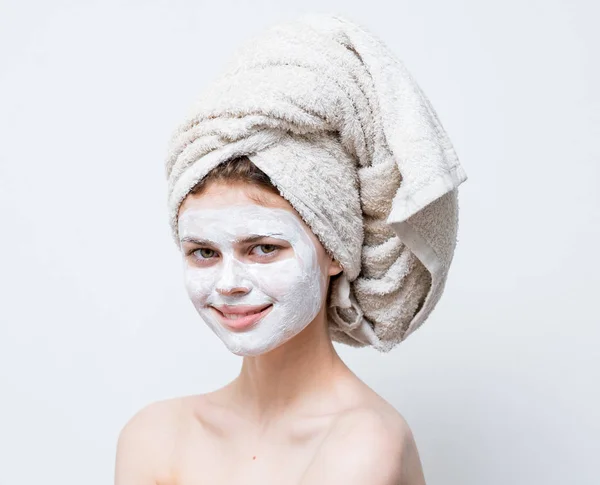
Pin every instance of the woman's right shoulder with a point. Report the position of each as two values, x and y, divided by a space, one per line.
158 417
146 441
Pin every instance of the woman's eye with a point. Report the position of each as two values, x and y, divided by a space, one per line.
266 248
204 253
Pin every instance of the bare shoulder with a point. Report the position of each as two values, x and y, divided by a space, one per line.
367 445
147 440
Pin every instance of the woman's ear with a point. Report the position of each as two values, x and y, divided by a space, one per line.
334 268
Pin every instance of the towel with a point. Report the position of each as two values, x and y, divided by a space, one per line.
327 111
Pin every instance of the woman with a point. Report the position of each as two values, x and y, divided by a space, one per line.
310 204
296 413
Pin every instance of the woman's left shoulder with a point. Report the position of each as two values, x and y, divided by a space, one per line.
380 423
372 443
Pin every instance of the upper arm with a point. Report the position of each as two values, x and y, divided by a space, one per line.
367 448
141 453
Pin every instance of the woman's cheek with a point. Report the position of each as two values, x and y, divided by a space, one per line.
276 279
199 283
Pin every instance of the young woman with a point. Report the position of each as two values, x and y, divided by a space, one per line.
296 414
312 195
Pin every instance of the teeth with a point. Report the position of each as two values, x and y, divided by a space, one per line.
235 316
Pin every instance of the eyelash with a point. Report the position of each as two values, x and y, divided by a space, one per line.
264 255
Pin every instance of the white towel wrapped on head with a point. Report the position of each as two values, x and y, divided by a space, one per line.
345 133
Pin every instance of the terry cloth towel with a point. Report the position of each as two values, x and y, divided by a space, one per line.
344 132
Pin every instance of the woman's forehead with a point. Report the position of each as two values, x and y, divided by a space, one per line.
237 204
240 219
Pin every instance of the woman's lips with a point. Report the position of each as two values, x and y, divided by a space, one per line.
229 316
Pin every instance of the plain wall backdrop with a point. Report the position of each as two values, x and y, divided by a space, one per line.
501 384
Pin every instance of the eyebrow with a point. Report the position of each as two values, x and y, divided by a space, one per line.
248 239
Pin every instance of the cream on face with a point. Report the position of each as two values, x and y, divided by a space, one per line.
225 273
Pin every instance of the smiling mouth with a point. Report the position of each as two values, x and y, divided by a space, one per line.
241 321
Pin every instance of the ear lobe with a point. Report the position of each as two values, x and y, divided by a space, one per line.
335 268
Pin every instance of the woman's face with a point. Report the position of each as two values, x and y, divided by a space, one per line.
256 274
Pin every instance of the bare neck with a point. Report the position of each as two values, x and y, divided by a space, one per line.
302 376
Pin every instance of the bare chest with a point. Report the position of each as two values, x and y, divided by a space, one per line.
244 458
264 464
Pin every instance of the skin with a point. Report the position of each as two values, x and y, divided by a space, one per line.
295 415
225 271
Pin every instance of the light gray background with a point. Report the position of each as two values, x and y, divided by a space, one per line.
500 385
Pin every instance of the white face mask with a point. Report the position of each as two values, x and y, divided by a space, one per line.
230 276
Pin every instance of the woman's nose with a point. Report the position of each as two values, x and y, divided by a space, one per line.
238 290
232 280
234 290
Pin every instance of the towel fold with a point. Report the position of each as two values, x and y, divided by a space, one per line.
344 132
